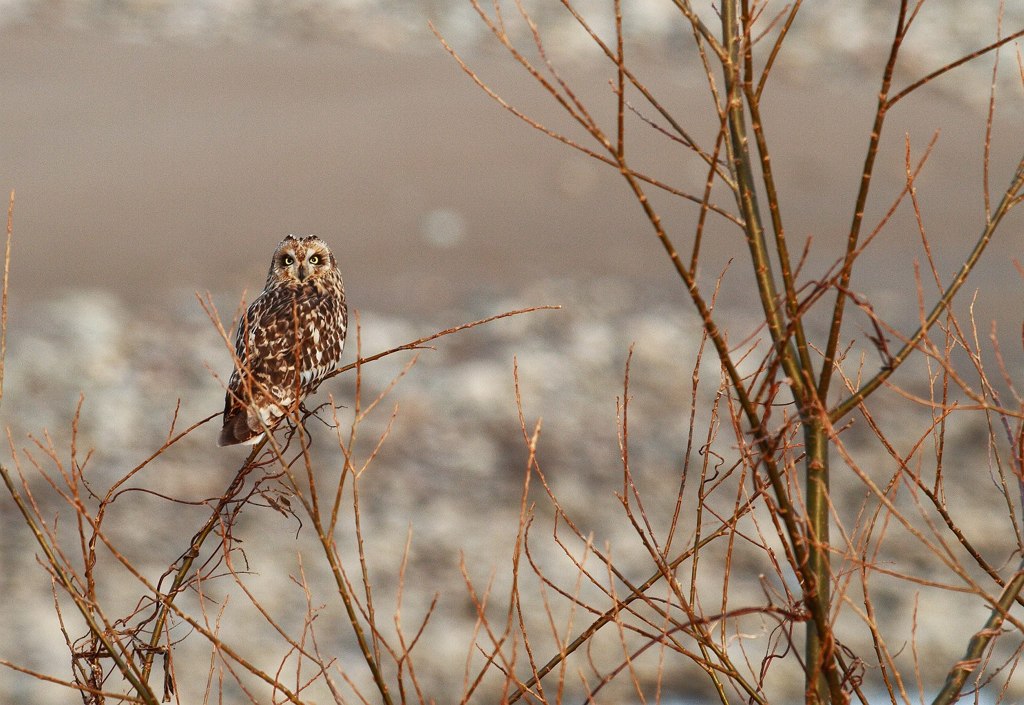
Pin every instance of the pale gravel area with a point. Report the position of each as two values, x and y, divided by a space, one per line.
449 475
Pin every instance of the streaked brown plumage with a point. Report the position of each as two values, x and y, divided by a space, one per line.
288 340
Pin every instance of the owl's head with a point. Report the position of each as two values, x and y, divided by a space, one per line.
301 259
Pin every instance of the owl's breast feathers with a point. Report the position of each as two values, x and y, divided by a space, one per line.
290 328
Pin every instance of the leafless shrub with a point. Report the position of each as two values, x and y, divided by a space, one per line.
783 537
788 394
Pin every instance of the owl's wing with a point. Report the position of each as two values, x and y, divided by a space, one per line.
317 320
323 338
262 378
284 328
265 343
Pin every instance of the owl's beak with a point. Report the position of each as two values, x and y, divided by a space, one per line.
303 272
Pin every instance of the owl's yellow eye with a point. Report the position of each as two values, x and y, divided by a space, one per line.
315 259
288 260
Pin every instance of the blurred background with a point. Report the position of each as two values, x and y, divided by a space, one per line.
160 149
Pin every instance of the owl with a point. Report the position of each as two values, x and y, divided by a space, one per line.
288 340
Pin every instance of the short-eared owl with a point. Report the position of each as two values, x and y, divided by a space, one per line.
288 340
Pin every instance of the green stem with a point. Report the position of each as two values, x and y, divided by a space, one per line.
781 247
1010 198
832 346
963 668
811 546
737 146
819 644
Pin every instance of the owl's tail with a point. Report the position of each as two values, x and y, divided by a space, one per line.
236 430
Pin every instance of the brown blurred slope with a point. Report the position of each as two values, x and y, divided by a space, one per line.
144 167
